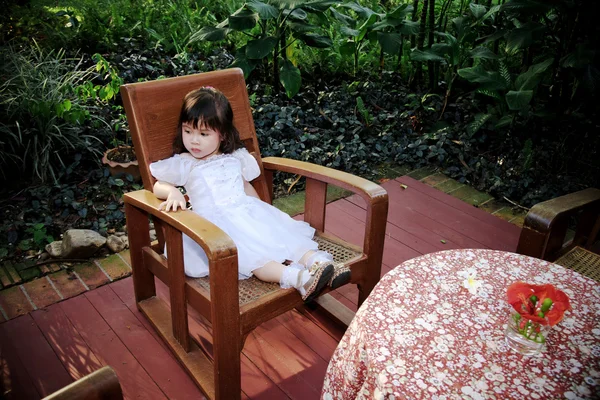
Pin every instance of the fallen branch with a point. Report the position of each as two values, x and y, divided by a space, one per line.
515 203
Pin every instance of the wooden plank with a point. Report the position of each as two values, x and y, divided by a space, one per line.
158 362
75 355
269 359
45 369
15 382
109 349
467 208
414 230
407 231
310 334
403 215
255 383
462 222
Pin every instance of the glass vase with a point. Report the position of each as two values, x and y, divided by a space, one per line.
524 336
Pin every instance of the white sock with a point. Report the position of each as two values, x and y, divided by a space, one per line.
294 276
318 256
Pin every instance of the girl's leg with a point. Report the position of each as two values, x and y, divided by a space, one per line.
341 274
308 282
270 272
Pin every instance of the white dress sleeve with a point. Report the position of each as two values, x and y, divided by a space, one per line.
174 170
250 168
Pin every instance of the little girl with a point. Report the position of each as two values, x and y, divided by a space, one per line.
212 164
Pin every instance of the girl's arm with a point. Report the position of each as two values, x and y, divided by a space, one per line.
173 196
249 189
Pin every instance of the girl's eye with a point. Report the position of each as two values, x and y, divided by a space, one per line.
204 134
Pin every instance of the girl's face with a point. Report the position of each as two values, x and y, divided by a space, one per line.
201 142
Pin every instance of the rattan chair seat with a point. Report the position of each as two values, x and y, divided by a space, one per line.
582 261
252 288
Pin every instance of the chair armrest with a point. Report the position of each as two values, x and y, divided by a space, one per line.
543 215
216 243
371 192
546 223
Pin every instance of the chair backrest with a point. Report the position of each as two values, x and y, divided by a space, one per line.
153 114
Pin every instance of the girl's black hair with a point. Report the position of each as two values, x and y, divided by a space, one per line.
209 107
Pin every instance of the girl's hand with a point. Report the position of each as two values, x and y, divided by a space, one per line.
174 200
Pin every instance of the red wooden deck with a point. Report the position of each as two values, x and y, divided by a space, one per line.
284 358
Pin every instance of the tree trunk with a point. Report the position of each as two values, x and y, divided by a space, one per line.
413 38
430 64
418 77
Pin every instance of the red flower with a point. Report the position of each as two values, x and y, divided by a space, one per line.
543 304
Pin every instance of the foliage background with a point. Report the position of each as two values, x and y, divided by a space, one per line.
499 94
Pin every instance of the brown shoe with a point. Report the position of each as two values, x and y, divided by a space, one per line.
341 276
321 274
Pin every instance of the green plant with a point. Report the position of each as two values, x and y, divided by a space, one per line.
512 95
386 29
43 117
272 27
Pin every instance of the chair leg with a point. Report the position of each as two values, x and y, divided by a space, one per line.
138 230
179 315
227 336
373 246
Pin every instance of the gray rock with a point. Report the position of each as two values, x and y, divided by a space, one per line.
115 244
125 240
55 249
152 235
81 243
120 234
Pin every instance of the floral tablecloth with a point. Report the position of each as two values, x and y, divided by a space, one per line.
422 335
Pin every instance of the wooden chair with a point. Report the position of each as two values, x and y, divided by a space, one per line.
546 225
102 384
233 308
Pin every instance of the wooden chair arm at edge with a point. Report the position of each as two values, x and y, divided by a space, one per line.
216 243
543 215
100 384
370 191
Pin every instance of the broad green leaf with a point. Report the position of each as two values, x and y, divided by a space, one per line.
347 49
579 58
391 43
301 27
290 78
365 27
529 79
489 80
493 10
243 19
319 6
425 55
363 12
344 30
478 10
518 100
523 37
241 61
408 27
298 14
260 48
401 11
478 122
343 18
504 121
534 6
483 52
209 33
491 93
223 24
264 11
315 40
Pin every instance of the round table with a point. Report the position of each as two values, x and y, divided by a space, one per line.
422 335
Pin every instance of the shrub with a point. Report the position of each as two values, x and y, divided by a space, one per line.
43 117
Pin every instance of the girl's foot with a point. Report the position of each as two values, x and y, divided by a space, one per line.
319 275
341 276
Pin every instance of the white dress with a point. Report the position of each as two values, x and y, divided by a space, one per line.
215 187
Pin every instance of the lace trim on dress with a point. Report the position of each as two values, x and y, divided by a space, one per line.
212 158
